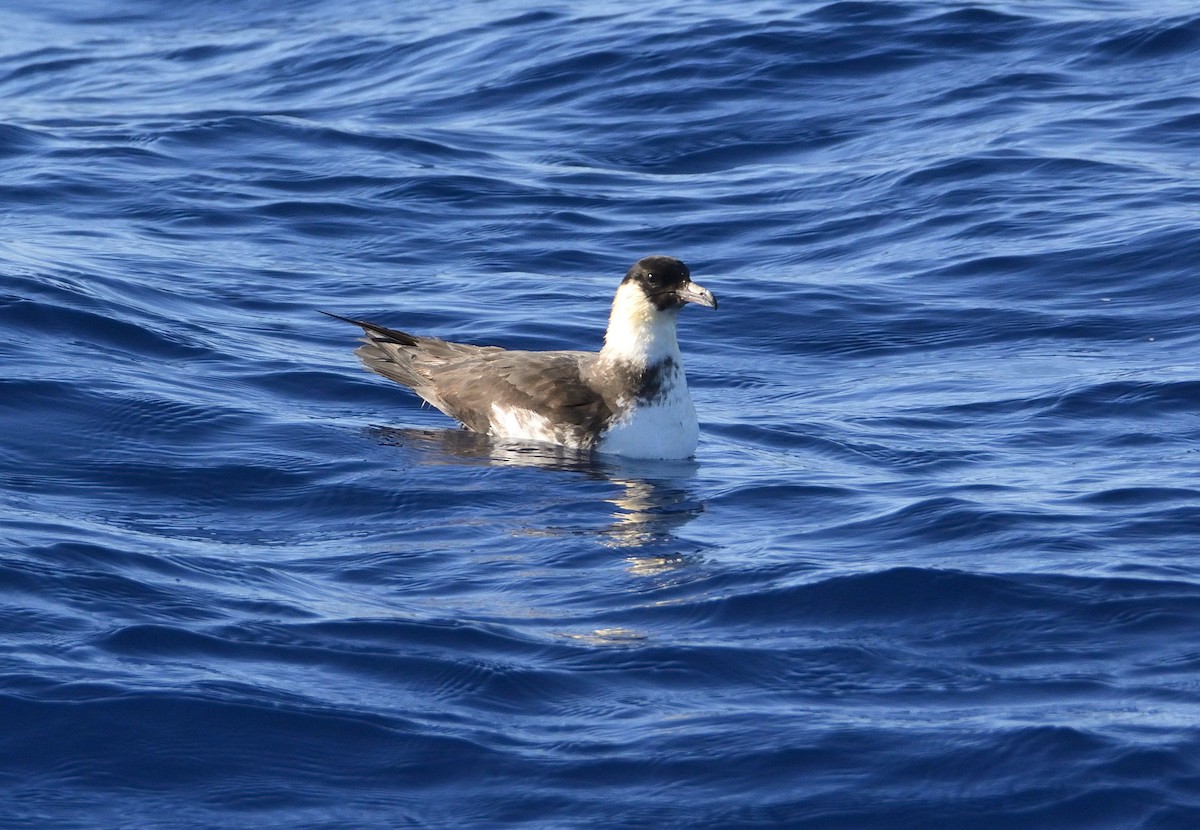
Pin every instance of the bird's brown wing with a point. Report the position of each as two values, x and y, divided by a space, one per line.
466 381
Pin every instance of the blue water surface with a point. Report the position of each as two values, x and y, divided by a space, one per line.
933 566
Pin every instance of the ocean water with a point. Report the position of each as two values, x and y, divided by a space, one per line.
935 564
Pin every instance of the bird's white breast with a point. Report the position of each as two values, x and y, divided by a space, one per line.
665 428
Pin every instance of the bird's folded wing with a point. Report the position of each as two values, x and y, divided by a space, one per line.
551 385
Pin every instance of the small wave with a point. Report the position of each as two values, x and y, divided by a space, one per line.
1156 41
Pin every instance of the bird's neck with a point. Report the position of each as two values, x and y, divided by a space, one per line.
638 333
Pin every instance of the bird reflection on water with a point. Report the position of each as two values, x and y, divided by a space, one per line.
651 504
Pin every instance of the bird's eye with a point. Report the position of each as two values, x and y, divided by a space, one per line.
654 279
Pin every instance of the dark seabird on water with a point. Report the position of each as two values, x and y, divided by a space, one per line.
630 398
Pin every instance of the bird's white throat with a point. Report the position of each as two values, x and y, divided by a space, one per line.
638 333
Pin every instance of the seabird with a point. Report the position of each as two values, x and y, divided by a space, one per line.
630 398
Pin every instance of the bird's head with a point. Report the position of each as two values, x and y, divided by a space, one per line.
667 283
641 328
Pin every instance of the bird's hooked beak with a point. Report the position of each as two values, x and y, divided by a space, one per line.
690 292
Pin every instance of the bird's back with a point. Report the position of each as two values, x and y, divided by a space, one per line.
542 396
